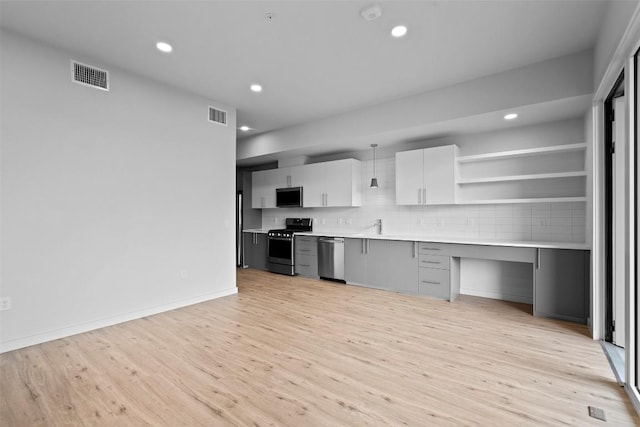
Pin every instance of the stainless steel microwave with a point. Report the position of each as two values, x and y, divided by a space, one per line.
289 197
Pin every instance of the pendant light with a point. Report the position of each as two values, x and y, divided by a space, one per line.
374 180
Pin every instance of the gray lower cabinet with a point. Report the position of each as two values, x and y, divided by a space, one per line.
561 284
403 267
355 261
306 256
366 262
377 263
382 264
255 250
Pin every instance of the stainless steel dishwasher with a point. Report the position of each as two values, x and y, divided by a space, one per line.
331 258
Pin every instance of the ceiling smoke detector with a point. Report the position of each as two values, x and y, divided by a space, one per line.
371 13
269 17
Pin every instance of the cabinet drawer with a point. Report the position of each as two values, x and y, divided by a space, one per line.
434 282
433 248
434 261
306 265
306 245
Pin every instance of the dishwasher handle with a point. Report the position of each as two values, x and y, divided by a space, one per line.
331 240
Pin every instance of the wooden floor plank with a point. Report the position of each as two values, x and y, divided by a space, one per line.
295 351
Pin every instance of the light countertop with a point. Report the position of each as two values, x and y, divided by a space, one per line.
438 239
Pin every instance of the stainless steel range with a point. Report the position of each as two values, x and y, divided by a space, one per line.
280 245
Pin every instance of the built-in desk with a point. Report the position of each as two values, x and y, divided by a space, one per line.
560 276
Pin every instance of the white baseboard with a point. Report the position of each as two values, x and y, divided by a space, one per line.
497 295
109 321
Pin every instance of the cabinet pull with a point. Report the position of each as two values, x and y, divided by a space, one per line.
362 248
431 249
368 245
288 180
419 196
430 282
415 249
538 259
304 265
430 262
424 196
304 250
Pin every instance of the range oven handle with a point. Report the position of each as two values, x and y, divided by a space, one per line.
285 239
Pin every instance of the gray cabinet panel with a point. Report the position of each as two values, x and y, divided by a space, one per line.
377 264
355 261
403 267
434 282
306 256
561 284
255 250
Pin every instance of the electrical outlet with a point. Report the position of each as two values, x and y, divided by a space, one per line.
5 303
184 274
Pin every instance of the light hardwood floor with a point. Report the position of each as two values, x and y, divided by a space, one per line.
299 352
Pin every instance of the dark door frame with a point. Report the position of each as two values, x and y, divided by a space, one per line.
616 91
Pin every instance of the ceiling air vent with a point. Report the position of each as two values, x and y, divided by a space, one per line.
89 76
217 116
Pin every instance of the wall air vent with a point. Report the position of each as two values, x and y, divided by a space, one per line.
217 116
89 76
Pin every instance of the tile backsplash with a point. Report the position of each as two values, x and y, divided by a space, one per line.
550 222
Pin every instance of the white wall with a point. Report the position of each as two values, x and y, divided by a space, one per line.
115 204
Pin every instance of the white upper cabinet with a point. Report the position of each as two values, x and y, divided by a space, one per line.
343 183
426 176
263 184
409 177
328 184
332 184
314 185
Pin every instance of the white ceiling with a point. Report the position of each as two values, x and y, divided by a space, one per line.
316 58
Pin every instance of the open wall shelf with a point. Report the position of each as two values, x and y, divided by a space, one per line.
541 174
523 177
522 153
532 200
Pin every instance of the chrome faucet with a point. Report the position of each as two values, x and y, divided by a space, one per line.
378 225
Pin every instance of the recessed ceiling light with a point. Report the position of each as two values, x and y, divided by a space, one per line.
256 87
399 31
510 116
245 128
164 47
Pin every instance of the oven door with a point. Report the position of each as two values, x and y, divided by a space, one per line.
280 250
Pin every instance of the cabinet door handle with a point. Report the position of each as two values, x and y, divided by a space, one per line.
368 245
305 250
419 196
538 259
424 196
431 249
288 180
304 265
430 262
430 282
415 249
